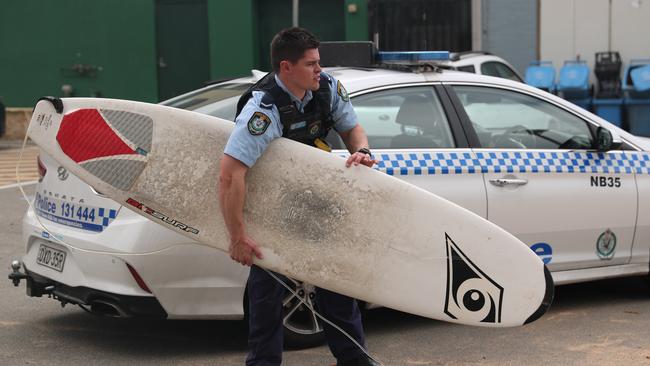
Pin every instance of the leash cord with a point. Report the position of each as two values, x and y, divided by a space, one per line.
310 307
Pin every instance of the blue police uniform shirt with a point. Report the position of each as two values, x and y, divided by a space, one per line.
249 140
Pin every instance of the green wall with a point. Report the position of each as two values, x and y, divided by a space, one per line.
241 31
233 35
40 38
356 24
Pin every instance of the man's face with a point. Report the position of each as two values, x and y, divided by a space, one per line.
305 74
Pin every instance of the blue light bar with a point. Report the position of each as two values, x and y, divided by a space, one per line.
413 56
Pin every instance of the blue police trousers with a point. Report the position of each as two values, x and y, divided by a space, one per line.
265 334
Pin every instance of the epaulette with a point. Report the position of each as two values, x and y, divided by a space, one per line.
267 101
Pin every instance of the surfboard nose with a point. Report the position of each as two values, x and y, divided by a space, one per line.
548 297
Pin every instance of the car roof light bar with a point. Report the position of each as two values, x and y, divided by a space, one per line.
412 56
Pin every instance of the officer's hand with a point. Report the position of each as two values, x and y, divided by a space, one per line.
242 250
360 158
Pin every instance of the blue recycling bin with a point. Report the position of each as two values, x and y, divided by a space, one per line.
638 116
636 79
573 82
541 74
610 110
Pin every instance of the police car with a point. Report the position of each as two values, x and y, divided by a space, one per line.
572 186
481 62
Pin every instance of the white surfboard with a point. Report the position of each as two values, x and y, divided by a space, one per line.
353 230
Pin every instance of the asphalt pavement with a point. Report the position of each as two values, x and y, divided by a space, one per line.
599 323
10 155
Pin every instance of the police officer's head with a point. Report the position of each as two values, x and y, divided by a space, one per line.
295 57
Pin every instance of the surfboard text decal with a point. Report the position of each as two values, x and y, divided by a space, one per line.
162 217
471 294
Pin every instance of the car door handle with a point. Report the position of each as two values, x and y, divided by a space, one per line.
501 182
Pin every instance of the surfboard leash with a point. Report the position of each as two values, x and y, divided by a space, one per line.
310 307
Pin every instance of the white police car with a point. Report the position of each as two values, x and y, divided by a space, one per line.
572 186
483 63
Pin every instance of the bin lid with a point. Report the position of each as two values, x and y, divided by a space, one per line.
540 76
641 78
574 75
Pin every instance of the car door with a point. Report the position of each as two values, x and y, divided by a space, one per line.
574 206
416 138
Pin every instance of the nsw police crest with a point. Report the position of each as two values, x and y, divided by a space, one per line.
342 92
258 123
606 245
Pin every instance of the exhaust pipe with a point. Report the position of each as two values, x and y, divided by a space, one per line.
108 308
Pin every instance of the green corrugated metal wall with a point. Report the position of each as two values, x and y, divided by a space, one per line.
41 39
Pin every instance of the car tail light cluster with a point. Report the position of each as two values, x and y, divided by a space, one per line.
41 168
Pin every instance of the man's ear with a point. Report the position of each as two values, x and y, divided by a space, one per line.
285 66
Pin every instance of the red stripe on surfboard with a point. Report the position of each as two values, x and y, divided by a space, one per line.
84 135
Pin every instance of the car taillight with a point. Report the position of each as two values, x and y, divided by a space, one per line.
41 168
137 278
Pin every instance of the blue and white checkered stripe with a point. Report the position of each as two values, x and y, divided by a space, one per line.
428 163
107 217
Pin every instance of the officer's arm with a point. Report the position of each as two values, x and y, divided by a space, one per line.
345 123
232 195
356 139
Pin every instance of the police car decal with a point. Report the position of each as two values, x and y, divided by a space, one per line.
258 123
544 251
73 213
609 182
606 244
419 163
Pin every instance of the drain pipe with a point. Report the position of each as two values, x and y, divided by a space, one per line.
295 13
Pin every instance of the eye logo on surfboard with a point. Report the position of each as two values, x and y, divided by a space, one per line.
471 294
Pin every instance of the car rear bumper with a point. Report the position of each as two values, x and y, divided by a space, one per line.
92 300
189 281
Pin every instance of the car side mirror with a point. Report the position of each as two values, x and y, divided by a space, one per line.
605 140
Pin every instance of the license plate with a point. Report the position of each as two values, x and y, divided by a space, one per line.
50 257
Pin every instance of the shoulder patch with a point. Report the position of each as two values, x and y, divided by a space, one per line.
258 123
342 92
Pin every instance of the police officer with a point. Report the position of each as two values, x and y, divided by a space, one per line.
300 102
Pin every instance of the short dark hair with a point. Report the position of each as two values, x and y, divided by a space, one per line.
290 44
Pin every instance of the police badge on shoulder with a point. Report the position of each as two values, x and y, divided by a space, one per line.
342 92
258 123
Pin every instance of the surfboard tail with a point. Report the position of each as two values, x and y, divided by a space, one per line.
547 300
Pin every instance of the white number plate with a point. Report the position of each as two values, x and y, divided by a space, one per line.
50 257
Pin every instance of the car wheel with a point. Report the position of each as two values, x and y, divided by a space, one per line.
302 328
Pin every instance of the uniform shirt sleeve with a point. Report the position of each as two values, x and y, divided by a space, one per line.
247 144
343 114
